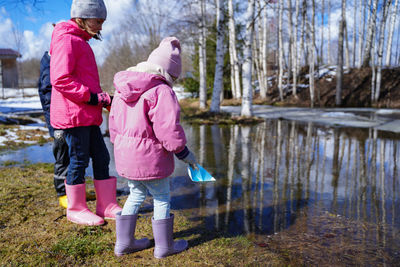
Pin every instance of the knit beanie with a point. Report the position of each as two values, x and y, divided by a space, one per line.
88 9
168 56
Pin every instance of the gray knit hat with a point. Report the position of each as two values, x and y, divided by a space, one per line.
87 9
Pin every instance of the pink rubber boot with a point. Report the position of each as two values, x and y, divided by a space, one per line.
77 210
106 195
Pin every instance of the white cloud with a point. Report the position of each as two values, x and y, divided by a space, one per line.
6 26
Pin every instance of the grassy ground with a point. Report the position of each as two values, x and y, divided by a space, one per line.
35 231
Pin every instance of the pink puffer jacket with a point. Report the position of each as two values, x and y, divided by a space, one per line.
144 126
74 75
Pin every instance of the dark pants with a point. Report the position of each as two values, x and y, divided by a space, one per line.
84 143
60 152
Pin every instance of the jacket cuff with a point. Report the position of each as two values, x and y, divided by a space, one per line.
183 154
94 100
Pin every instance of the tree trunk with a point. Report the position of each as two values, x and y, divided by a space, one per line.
392 23
290 58
360 32
280 49
347 53
386 5
311 47
329 33
302 30
202 57
258 52
339 71
295 60
247 106
373 78
219 65
354 33
371 30
265 52
232 47
321 57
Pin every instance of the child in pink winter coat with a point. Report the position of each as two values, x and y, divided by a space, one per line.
146 132
76 107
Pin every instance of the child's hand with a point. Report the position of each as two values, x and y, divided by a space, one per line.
103 99
191 160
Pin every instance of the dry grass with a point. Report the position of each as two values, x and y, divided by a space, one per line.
35 231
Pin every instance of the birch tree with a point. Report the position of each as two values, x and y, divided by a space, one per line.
386 5
265 52
371 30
354 32
258 52
302 29
392 23
339 71
329 32
247 108
280 49
361 18
235 75
218 82
295 60
202 56
311 47
322 31
290 26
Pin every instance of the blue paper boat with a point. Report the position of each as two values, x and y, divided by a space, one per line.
200 175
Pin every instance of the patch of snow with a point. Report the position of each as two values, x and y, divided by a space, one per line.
13 92
180 92
27 127
337 114
387 111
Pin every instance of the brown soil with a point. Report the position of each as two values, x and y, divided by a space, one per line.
356 90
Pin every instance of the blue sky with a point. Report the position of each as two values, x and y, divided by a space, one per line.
31 18
34 25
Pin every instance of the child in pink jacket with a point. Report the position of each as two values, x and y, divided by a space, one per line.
76 107
145 129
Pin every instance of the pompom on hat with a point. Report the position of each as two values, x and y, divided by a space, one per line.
88 9
168 56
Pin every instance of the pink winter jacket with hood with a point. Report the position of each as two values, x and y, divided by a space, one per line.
74 75
144 126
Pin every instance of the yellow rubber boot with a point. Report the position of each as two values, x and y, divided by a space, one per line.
63 201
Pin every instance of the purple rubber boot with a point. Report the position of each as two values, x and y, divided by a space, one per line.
125 232
164 243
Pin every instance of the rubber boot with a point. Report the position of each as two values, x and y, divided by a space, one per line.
125 235
77 210
106 195
164 243
63 201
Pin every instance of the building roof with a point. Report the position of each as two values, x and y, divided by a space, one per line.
6 53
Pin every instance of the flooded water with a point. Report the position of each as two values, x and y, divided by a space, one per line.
271 174
274 169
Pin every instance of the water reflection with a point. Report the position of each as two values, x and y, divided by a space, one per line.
267 174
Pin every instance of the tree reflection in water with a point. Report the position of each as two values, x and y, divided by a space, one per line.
269 174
